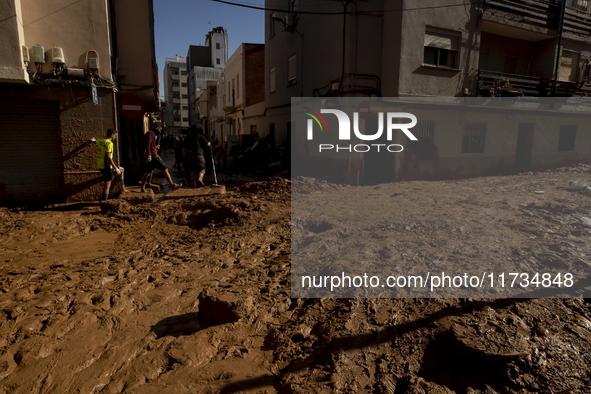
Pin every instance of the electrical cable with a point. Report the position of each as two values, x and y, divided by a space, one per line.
341 13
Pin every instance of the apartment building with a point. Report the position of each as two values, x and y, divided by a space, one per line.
176 95
210 118
242 92
440 48
205 63
63 83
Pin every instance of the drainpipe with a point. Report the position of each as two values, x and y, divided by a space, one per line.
559 49
345 3
114 71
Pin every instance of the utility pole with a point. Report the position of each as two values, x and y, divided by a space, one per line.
559 49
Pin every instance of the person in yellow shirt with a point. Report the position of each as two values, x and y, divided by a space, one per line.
106 165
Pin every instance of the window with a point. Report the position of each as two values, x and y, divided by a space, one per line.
233 92
566 141
185 119
217 45
253 129
184 85
511 59
272 30
217 60
291 70
185 107
183 73
474 138
272 80
425 133
238 86
185 96
441 49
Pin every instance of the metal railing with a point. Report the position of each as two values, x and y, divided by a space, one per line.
527 85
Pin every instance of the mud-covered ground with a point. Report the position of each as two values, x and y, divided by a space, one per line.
193 296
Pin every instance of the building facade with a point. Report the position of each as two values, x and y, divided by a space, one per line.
435 49
176 93
242 88
205 63
62 87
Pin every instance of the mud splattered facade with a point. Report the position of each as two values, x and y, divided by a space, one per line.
53 54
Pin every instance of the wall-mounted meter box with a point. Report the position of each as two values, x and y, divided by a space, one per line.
38 53
26 57
76 72
57 55
93 63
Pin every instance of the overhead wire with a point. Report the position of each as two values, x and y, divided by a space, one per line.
341 13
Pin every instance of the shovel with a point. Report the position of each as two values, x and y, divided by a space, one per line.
215 177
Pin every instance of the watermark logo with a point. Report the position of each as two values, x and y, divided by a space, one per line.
315 118
391 120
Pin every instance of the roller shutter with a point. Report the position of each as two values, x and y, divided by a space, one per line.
31 161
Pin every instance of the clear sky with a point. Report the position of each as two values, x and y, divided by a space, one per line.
180 23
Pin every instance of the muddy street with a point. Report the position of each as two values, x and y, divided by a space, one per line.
194 295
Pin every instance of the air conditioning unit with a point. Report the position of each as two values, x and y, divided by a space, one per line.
289 22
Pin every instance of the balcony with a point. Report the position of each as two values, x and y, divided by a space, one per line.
535 14
176 89
541 16
577 20
493 83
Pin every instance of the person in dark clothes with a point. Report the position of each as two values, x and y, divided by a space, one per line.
178 153
193 151
153 160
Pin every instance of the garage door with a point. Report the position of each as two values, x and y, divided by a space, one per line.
31 164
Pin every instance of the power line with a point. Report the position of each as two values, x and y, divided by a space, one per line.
275 9
341 13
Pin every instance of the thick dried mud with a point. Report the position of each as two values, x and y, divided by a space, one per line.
193 296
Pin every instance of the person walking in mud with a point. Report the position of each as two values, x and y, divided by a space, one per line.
107 166
195 142
153 160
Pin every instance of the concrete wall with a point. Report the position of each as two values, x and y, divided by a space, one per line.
136 55
498 158
234 76
424 80
253 116
77 28
80 120
222 53
12 38
198 56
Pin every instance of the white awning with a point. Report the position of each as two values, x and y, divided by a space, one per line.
441 41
